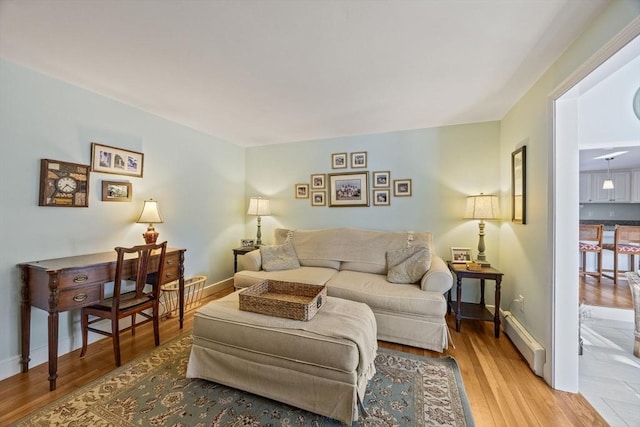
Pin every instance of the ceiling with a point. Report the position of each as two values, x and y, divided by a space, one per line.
263 72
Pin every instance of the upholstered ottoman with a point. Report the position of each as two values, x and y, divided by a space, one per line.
321 365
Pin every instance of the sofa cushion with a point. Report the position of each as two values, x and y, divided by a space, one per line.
375 291
408 265
308 275
279 257
357 249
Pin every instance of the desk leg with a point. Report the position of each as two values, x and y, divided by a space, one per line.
25 313
181 288
496 315
235 262
53 330
458 304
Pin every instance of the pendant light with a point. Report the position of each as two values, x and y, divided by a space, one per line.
608 183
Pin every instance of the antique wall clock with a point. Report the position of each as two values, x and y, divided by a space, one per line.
63 184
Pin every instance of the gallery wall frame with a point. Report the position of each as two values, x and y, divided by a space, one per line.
380 179
402 188
339 161
349 189
381 197
118 161
318 181
318 198
116 191
302 191
519 185
359 159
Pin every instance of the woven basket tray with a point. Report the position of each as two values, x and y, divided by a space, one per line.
291 300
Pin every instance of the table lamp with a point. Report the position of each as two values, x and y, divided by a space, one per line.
150 215
482 207
259 207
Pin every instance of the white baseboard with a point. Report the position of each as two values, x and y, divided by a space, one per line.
11 366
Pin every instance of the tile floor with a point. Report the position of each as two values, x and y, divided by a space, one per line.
609 373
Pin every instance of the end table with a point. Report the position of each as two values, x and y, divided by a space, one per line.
240 251
478 311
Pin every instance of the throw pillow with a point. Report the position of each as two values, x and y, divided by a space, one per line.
408 265
279 257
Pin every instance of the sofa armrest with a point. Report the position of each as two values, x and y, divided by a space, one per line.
252 261
438 278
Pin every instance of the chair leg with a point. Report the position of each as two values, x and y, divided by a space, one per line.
133 324
85 332
156 324
600 265
115 335
615 268
583 270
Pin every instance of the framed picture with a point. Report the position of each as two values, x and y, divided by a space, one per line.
302 191
63 184
519 185
402 187
318 181
114 191
247 243
460 255
359 159
116 160
338 160
349 189
318 198
381 179
381 198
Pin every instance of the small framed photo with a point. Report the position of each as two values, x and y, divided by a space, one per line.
402 187
318 181
338 160
359 159
116 191
318 198
302 191
349 189
116 160
381 179
247 242
460 255
381 198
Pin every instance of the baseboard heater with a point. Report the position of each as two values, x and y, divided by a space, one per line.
530 349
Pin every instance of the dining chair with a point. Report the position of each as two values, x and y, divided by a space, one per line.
590 241
135 291
626 241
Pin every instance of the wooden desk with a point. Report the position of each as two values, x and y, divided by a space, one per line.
466 310
63 284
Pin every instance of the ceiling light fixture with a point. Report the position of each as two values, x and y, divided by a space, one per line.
610 155
608 184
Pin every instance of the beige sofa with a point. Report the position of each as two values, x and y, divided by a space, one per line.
357 265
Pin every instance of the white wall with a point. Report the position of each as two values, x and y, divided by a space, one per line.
198 181
445 164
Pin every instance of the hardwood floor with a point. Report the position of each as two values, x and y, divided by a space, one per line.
501 388
604 293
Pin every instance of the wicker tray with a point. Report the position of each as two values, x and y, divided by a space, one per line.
291 300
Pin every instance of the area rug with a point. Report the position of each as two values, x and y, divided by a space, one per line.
407 390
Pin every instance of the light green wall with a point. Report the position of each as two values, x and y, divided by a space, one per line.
198 181
445 165
528 263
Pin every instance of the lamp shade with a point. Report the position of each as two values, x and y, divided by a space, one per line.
150 213
607 185
259 207
482 207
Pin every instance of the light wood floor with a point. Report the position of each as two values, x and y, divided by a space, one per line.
502 390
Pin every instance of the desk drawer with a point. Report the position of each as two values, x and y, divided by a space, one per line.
171 264
79 297
74 277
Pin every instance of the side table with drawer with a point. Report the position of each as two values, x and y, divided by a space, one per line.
478 311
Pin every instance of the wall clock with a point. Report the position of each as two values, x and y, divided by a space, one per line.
63 184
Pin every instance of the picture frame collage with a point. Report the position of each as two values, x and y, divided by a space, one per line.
353 188
116 161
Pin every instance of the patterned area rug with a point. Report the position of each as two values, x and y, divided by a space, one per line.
153 391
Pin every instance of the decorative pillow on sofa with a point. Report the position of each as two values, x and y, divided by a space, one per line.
408 265
279 257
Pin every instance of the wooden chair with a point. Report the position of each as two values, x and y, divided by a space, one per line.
626 241
590 241
139 295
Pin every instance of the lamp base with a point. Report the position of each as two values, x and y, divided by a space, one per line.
483 263
151 235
